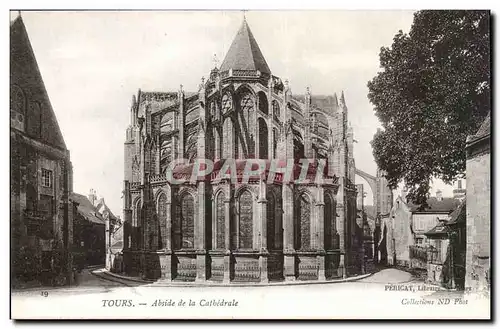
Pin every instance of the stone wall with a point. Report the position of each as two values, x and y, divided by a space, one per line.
401 233
478 221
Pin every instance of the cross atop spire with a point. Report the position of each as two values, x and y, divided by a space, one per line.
216 61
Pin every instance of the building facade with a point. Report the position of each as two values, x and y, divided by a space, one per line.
407 225
478 228
89 231
41 173
240 229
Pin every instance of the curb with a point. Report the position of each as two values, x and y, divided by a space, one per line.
127 282
105 274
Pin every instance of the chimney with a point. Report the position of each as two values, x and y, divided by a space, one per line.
92 196
459 193
439 195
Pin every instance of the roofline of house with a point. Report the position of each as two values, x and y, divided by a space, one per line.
433 212
474 141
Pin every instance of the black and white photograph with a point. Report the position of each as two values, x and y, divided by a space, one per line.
250 164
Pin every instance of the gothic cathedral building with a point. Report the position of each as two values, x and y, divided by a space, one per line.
236 230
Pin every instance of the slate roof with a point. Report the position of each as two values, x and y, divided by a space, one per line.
446 205
102 207
327 104
86 209
485 128
244 53
458 216
440 229
25 73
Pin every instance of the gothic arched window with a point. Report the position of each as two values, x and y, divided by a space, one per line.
183 224
275 142
276 110
245 221
212 110
220 229
330 223
274 225
263 139
17 108
263 104
136 222
303 222
246 107
162 221
227 103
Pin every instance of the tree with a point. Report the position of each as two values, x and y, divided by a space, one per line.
433 91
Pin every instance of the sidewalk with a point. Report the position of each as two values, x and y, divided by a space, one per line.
82 282
105 274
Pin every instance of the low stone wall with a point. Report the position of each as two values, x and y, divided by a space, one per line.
241 266
216 267
246 268
307 266
184 267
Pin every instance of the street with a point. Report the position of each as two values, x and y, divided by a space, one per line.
380 295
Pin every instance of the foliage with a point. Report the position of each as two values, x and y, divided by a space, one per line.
433 91
27 263
59 262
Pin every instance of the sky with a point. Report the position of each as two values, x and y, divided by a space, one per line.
93 62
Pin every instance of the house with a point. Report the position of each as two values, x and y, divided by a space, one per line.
41 174
437 249
439 208
478 171
446 250
114 258
112 224
89 232
407 224
458 243
399 234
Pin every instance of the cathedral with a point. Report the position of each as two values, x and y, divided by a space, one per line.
242 230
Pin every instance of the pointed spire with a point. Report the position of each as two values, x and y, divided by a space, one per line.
335 100
244 53
202 84
342 99
339 104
